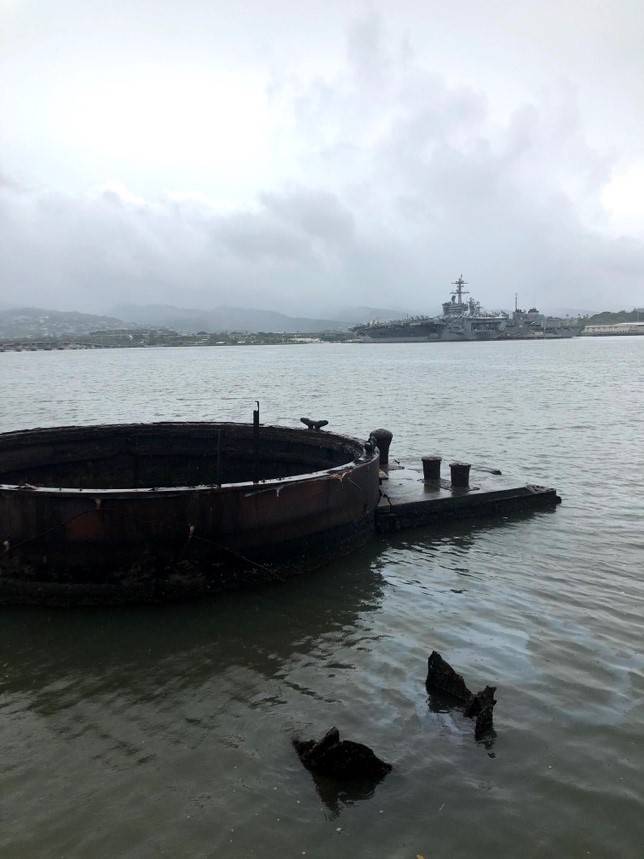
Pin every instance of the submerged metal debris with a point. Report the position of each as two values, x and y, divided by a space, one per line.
481 708
443 679
340 759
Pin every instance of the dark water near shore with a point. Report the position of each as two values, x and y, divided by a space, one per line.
166 731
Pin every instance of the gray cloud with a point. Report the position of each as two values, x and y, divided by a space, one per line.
318 213
399 180
257 237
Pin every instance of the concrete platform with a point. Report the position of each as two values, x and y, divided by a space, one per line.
408 502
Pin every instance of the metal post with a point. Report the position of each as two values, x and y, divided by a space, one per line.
256 443
218 472
460 475
432 469
383 439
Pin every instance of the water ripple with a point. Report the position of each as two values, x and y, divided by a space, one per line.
167 731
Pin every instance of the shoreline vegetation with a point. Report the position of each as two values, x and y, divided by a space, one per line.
44 336
145 339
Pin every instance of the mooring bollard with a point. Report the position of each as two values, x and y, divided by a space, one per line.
460 474
432 469
383 440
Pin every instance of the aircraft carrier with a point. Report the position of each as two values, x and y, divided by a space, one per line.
464 319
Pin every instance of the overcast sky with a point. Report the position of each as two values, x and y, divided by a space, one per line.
303 156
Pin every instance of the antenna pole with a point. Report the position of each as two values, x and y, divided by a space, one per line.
459 292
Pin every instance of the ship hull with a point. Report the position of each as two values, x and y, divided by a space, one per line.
459 339
442 337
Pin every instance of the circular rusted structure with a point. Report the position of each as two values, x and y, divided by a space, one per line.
160 511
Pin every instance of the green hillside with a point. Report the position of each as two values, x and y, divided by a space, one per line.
608 318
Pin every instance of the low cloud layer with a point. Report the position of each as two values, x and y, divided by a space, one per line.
398 181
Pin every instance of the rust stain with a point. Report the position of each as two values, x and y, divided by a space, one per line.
87 526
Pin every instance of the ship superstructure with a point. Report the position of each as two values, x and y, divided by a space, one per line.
463 319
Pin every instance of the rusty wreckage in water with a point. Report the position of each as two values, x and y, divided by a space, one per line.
162 511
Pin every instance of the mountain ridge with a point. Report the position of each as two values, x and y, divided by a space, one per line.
37 322
191 320
31 322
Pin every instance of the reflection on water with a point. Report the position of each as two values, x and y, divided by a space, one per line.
336 796
443 704
167 730
129 649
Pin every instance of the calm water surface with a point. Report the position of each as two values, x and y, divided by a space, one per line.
166 731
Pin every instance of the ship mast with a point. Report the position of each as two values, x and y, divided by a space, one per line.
459 292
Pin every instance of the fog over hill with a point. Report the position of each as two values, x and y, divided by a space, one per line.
222 319
27 322
32 322
245 319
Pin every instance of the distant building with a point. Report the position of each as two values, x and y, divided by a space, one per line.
623 328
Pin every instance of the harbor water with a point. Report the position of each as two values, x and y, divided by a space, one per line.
166 730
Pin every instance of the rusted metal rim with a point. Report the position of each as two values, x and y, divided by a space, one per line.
361 456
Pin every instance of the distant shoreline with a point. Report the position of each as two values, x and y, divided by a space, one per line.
188 341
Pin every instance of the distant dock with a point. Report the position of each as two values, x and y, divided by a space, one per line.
620 329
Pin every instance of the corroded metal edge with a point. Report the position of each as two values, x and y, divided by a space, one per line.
17 435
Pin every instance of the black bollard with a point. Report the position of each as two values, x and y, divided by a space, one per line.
460 475
383 439
432 469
